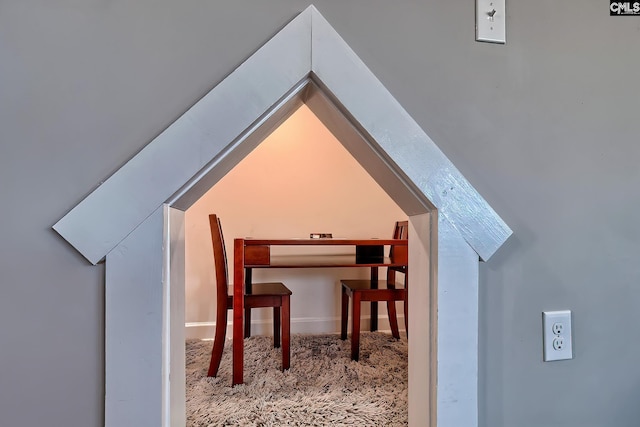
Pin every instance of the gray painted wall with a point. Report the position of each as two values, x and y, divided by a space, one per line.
544 127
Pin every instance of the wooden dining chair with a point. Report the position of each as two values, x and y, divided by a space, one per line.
275 295
387 290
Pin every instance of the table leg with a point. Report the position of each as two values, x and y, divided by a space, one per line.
374 304
238 310
247 311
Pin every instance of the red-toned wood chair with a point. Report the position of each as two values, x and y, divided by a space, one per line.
387 290
275 295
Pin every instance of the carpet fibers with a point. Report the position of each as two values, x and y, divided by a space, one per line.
322 388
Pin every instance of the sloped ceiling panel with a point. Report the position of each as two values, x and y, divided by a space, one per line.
377 164
220 165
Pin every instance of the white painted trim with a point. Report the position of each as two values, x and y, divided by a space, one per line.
135 313
173 376
423 320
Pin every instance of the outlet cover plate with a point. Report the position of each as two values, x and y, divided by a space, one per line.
557 335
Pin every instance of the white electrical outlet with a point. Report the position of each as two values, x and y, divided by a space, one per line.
556 335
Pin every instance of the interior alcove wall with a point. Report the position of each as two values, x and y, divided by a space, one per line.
300 179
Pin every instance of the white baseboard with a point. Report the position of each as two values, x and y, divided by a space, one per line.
303 325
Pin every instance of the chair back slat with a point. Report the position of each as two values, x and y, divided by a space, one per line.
219 257
400 231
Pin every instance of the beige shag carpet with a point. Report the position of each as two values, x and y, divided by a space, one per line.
322 388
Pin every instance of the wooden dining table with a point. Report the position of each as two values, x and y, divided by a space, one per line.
251 253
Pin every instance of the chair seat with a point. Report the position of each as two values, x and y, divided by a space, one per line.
365 292
388 291
356 285
362 285
274 288
262 295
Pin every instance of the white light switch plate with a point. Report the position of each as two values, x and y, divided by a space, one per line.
491 21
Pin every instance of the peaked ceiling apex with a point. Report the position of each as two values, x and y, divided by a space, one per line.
218 124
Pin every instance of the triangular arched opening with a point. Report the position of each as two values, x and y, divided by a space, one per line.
382 169
134 221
